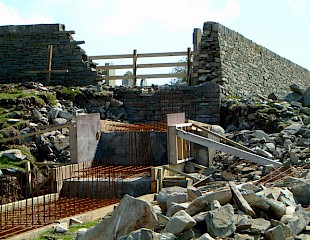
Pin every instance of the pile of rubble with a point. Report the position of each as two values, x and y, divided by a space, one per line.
29 113
245 211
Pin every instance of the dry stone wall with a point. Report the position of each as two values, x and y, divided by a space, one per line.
200 103
243 67
23 48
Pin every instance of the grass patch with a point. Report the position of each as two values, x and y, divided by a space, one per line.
68 235
70 93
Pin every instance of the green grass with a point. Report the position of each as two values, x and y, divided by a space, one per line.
5 163
70 234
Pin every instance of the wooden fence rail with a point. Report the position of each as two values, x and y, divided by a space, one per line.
134 66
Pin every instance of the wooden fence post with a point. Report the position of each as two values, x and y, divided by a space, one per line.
49 65
134 67
189 65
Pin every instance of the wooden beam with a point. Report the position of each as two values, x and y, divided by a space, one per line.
102 57
235 144
168 75
142 55
107 67
225 148
181 173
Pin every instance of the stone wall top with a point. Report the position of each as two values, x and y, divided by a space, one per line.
239 37
31 29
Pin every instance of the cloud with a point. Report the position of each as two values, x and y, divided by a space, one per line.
299 7
172 15
10 16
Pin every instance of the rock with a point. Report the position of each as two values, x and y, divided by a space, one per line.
171 194
59 228
59 121
287 197
53 113
293 97
263 153
74 221
241 221
189 168
303 142
268 169
292 129
249 186
140 234
217 129
220 222
193 193
271 206
205 236
65 114
187 235
260 134
275 233
296 104
81 232
13 154
175 207
301 192
180 222
122 222
241 202
202 203
298 221
209 170
200 217
272 96
36 114
306 98
259 225
162 219
239 236
297 89
13 121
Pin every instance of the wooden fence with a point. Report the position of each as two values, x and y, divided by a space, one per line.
189 64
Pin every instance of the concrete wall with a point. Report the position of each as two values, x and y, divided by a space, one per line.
243 67
23 48
200 103
84 138
132 148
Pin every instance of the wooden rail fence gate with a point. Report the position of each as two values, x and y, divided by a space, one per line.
190 64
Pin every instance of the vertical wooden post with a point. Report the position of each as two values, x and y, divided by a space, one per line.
189 65
49 65
134 67
28 177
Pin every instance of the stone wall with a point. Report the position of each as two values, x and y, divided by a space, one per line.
200 103
23 48
243 67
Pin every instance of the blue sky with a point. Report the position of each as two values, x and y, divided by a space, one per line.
119 26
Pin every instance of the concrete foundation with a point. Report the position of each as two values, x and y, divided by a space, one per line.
105 188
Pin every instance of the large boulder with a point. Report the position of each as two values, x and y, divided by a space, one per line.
147 234
298 221
301 192
220 222
179 222
131 214
171 194
203 203
306 98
